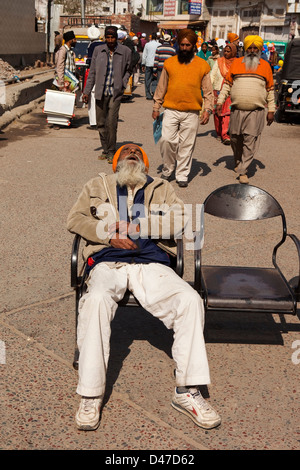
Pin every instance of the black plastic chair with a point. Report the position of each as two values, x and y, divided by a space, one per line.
246 289
78 281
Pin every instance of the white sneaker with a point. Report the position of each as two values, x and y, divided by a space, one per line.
193 405
88 414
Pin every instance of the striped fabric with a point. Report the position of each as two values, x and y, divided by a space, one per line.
70 60
162 53
109 79
263 71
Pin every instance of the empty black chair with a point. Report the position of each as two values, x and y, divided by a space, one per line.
78 280
238 288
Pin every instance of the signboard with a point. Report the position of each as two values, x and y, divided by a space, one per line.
170 8
195 8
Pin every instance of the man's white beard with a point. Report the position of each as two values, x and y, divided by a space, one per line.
251 61
130 173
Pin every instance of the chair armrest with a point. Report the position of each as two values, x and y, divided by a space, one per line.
179 262
197 261
297 243
75 281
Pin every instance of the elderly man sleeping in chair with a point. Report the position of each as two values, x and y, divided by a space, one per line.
130 222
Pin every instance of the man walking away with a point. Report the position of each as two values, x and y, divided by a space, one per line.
148 63
163 52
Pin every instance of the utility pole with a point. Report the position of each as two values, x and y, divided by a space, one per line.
49 9
82 12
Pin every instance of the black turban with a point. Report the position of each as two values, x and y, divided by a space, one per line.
69 35
111 31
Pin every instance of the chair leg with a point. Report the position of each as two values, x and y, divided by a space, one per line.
76 352
76 358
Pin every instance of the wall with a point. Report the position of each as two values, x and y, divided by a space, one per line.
223 19
19 42
130 22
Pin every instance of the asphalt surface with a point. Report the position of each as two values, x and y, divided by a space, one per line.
254 359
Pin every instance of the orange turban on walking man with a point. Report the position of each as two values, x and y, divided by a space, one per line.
189 34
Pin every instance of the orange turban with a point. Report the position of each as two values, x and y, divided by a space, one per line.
232 37
189 34
117 154
256 40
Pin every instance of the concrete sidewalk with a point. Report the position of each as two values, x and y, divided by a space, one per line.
255 377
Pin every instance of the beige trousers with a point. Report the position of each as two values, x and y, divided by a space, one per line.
245 129
179 132
244 149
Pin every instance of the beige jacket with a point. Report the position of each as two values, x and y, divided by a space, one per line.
61 63
216 77
91 214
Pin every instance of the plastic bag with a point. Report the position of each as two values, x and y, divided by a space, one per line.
157 127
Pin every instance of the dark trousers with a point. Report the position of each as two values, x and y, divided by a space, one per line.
107 114
150 82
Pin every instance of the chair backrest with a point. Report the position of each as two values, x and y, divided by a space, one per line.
242 202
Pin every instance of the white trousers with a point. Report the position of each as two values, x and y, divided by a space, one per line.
92 108
162 293
177 142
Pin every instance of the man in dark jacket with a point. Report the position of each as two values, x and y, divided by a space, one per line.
109 72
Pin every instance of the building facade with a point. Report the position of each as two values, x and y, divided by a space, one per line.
20 41
274 20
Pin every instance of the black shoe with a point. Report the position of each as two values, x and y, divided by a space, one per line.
182 184
167 178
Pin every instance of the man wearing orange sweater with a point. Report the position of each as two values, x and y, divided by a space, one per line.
249 82
184 78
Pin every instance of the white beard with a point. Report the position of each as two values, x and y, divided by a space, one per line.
131 173
251 62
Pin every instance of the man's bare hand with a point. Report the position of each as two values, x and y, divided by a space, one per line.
85 98
155 115
119 232
124 228
122 243
270 118
204 118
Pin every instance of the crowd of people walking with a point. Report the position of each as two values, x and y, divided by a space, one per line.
188 79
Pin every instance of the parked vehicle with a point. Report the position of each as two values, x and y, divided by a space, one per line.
81 53
280 47
287 85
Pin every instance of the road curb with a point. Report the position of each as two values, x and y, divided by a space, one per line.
22 98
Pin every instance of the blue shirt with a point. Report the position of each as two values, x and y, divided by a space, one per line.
147 250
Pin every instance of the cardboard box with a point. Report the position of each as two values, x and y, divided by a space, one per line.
59 103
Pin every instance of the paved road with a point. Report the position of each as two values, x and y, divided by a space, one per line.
255 377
